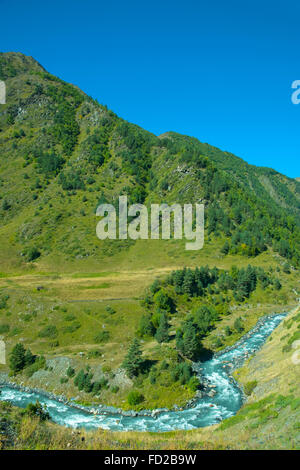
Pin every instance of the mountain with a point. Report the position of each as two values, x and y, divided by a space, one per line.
62 153
80 305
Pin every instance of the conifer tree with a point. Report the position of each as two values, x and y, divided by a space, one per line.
190 342
162 333
29 358
133 360
17 358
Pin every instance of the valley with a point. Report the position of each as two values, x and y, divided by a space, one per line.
122 323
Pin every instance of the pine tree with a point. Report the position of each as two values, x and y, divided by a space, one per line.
238 325
88 386
146 327
187 341
162 333
80 379
277 284
29 358
225 249
17 358
189 282
133 360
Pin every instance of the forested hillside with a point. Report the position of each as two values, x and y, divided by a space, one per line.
119 322
62 153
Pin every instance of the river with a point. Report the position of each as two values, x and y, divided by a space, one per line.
224 400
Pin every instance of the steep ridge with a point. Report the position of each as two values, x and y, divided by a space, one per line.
62 153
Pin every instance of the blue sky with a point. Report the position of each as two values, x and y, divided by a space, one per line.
220 71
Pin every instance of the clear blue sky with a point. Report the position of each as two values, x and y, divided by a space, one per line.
217 70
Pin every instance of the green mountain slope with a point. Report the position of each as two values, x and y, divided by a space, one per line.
75 299
62 153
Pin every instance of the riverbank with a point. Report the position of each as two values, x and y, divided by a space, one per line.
222 401
267 423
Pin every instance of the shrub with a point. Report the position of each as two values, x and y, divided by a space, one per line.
70 372
49 331
135 398
72 328
40 363
96 388
70 317
31 254
238 325
36 409
110 310
164 301
181 372
193 384
71 180
249 387
4 328
102 337
133 361
50 163
94 354
218 342
3 303
228 331
17 358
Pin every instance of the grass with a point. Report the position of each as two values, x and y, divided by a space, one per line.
270 367
80 276
77 307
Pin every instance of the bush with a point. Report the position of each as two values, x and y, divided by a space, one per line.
238 325
40 363
218 342
110 310
50 163
182 372
31 254
36 409
4 328
70 317
94 354
49 331
146 327
133 361
72 328
193 384
17 358
228 331
135 398
70 372
249 387
3 303
102 337
164 301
